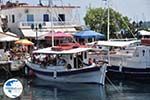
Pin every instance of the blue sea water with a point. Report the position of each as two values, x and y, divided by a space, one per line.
117 90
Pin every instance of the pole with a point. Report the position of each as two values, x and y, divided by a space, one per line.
51 18
108 19
108 29
36 29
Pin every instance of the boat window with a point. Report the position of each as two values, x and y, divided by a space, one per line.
30 18
85 55
13 18
6 18
70 57
143 52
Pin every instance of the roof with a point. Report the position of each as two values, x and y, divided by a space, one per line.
71 51
38 6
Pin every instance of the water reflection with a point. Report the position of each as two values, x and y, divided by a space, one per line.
127 90
43 90
119 90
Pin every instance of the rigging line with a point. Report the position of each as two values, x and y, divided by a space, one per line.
124 21
128 27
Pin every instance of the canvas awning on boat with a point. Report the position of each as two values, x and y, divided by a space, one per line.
115 43
143 32
71 51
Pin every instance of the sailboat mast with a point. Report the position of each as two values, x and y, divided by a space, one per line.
108 20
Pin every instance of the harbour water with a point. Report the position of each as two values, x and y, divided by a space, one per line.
114 90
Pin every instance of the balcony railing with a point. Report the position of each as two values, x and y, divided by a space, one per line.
48 24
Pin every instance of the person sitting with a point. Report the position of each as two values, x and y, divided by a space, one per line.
90 61
61 61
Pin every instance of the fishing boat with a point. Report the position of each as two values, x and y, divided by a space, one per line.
68 62
127 60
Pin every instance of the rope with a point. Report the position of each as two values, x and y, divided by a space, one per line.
7 70
117 89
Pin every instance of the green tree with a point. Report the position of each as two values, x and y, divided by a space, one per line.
96 19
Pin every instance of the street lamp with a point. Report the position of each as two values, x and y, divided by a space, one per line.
36 27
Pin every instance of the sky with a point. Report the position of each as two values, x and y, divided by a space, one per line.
136 10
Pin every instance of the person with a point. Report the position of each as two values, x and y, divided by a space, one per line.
90 61
61 61
94 60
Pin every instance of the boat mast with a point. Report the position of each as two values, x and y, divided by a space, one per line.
51 18
108 20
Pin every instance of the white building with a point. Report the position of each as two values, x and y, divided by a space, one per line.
20 16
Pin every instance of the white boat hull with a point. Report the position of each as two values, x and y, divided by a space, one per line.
84 75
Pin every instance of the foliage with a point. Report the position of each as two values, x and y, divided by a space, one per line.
96 19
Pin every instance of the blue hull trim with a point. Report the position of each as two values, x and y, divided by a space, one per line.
67 73
128 73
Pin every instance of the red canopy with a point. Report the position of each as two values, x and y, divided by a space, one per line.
58 35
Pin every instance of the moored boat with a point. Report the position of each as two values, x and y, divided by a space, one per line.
130 62
65 64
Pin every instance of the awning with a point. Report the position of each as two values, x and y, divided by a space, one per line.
8 38
143 32
66 30
71 51
58 35
114 43
88 34
29 33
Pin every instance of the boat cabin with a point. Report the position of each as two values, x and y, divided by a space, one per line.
62 59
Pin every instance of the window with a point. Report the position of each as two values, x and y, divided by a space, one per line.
30 18
13 18
45 17
70 57
61 17
85 55
143 52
